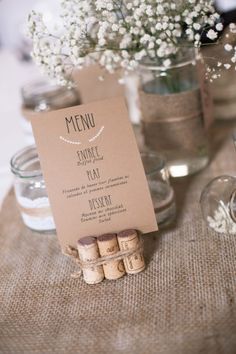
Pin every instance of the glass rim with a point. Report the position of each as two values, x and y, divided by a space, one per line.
29 89
20 172
150 63
157 157
35 91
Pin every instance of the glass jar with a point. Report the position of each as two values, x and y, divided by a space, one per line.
224 88
172 112
161 191
218 204
30 190
43 96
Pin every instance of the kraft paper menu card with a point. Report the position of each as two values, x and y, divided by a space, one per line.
93 171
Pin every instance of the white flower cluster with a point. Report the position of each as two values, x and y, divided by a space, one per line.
47 49
231 49
221 222
121 33
228 61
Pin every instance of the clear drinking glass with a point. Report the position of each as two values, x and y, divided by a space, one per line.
161 191
30 190
172 113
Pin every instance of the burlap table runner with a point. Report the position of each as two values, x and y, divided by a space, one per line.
184 303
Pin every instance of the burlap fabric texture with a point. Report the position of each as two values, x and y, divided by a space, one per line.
169 120
183 303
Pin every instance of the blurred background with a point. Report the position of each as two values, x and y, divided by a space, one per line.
16 68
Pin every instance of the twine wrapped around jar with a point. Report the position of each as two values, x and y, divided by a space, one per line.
173 121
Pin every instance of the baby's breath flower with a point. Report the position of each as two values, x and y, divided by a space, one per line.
211 34
232 27
219 27
228 47
120 33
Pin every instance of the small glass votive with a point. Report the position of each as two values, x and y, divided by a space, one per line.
218 204
30 190
162 193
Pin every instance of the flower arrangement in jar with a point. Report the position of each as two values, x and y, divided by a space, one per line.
120 33
161 37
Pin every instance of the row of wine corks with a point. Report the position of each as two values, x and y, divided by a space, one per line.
92 248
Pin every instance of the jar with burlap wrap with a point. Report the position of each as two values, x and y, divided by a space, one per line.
30 190
172 112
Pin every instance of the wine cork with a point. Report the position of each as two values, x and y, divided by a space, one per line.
88 251
108 246
128 240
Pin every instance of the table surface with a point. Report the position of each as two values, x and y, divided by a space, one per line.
183 303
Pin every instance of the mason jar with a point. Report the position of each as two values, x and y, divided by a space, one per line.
30 190
43 96
172 112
